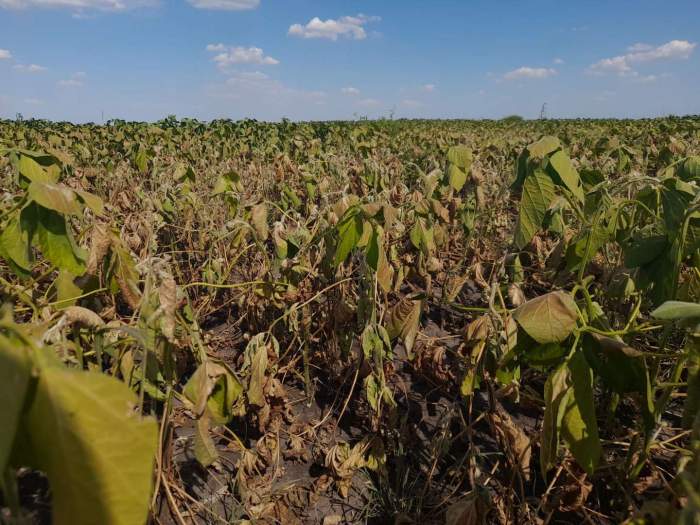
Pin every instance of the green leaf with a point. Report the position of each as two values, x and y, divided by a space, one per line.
457 177
643 250
15 368
33 171
579 426
460 159
227 182
16 238
460 156
561 163
689 169
675 201
677 310
141 160
621 367
555 398
56 242
538 194
549 318
97 452
349 233
204 448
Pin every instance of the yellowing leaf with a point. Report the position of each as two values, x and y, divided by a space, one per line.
258 217
54 197
549 318
96 451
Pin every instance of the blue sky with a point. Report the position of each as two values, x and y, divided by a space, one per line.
337 59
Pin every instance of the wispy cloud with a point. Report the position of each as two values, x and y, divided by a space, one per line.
530 72
5 54
225 5
351 27
76 80
33 101
429 88
350 91
622 65
558 61
29 68
228 56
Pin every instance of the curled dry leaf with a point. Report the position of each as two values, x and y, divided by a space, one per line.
517 444
82 316
404 320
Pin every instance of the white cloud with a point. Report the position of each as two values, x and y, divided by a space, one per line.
226 57
5 54
225 5
346 26
635 48
350 91
639 53
529 72
216 48
558 61
100 5
429 88
368 102
29 68
76 80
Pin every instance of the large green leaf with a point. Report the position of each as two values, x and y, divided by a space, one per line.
676 196
15 371
349 233
33 171
96 451
579 425
56 241
549 318
544 146
538 194
561 163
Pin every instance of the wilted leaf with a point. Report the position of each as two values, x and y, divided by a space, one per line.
404 320
258 217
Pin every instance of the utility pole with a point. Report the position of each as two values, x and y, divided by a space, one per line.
543 112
